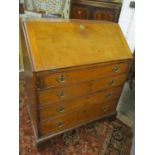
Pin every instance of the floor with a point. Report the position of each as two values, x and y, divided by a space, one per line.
126 108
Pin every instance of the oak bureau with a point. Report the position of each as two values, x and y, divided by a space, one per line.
74 71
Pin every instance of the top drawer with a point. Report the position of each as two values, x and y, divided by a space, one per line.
80 75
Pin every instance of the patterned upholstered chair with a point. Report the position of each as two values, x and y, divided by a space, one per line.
48 8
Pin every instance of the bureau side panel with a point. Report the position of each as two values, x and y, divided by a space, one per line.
30 80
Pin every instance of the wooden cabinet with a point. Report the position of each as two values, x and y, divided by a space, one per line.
74 72
95 10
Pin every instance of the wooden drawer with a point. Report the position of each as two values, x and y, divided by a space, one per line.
108 14
63 93
76 118
73 105
79 12
80 75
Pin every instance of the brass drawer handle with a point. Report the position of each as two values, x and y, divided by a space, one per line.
60 124
105 109
60 109
115 69
61 94
61 78
109 95
111 82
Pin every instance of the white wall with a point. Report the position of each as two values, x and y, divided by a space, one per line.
127 23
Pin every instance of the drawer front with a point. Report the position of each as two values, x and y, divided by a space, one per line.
79 12
80 75
100 14
63 93
70 120
80 103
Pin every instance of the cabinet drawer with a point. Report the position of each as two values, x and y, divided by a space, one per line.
79 12
63 93
76 118
104 15
69 106
80 75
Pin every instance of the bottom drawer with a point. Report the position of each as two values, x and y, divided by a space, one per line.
69 120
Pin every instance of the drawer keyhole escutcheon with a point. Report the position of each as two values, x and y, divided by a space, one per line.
60 124
82 27
115 69
60 109
109 95
111 82
61 78
61 94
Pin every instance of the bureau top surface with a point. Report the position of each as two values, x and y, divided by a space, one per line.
59 43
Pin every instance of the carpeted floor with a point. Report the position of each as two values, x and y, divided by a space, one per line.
97 138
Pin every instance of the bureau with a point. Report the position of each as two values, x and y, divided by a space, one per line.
74 72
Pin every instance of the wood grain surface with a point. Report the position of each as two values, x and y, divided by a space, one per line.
73 76
70 43
57 94
79 103
69 120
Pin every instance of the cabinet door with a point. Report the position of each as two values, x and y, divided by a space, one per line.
106 14
79 12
